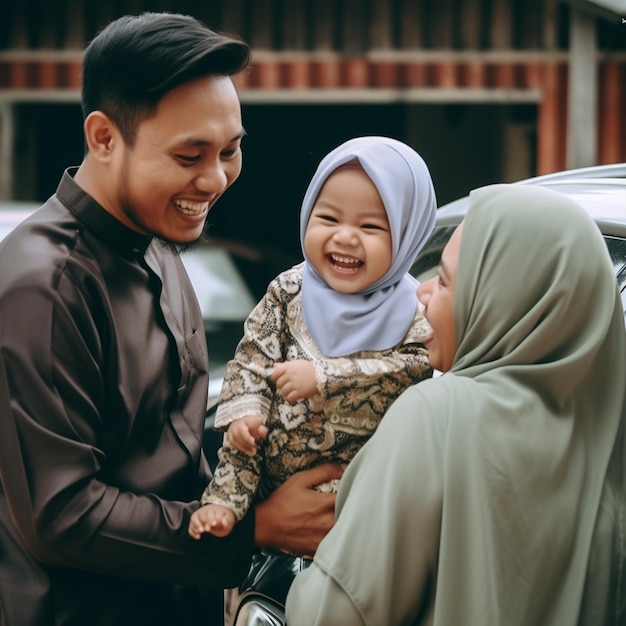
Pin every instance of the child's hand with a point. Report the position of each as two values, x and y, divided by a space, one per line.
244 433
295 379
215 519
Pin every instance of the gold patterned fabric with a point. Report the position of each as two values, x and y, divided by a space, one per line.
354 393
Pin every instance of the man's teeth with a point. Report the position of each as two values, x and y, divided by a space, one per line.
192 208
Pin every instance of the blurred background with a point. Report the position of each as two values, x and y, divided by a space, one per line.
485 90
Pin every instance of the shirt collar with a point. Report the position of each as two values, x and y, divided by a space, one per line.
98 220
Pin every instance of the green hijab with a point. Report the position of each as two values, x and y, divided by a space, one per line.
494 494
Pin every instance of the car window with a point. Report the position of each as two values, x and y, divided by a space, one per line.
617 252
221 290
427 262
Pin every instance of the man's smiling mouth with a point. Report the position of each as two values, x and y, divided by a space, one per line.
189 207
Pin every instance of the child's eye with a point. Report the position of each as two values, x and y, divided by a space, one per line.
325 217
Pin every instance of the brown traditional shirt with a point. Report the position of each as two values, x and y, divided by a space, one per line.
103 383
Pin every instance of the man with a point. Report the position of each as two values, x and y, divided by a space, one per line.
103 362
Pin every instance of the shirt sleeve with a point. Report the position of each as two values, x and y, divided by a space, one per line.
347 385
247 388
236 479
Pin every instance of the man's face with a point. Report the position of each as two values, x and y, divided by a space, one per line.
182 161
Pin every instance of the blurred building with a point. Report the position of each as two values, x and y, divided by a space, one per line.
486 90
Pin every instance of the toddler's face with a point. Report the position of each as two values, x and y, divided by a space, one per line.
348 239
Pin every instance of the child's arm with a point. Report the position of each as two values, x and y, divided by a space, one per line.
400 366
236 478
247 388
408 364
352 387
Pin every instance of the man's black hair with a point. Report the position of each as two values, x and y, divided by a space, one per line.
136 60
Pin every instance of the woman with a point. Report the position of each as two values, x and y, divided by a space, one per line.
499 485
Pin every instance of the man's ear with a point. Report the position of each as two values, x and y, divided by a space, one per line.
101 135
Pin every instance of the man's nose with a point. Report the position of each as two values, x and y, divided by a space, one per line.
212 179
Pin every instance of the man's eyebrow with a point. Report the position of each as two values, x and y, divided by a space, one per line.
196 141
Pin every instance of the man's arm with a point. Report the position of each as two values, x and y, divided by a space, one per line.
66 493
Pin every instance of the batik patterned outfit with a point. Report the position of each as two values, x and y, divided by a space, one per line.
354 393
365 346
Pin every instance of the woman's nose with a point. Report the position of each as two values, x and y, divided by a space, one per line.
424 291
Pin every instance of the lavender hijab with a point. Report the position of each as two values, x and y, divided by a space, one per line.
378 317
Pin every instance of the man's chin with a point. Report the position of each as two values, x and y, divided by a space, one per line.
181 247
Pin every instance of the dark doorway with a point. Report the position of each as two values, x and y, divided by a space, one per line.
464 145
48 139
281 152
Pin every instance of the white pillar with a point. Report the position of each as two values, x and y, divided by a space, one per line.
582 104
6 150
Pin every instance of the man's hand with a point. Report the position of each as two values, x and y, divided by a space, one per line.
244 433
295 518
295 379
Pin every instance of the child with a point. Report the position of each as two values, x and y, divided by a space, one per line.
335 339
